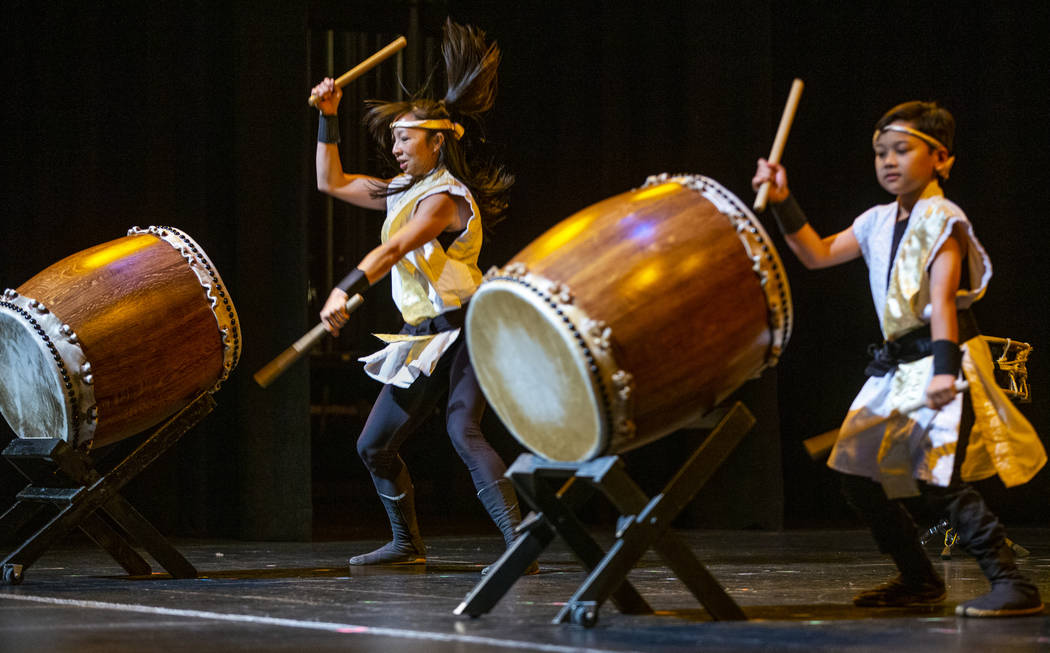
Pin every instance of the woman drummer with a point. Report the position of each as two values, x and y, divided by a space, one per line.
430 244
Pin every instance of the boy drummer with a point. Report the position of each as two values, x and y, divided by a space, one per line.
926 267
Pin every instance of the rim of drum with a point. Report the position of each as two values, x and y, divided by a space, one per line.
510 320
42 359
214 290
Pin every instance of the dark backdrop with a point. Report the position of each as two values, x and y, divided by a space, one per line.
192 114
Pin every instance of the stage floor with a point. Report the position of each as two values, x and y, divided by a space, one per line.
795 588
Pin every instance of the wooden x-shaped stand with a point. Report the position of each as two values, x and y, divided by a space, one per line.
66 479
644 523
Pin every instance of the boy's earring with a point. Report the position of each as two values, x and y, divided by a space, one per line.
945 168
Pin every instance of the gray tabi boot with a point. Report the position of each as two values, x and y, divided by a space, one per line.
407 547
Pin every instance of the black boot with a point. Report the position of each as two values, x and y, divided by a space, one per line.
895 533
982 535
1012 595
407 547
917 584
501 503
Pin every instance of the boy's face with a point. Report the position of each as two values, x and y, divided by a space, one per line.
904 164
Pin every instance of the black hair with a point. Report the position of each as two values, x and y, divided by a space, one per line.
471 65
928 117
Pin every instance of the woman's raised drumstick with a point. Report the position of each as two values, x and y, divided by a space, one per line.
781 138
368 64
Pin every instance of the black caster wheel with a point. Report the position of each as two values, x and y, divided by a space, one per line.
585 616
12 574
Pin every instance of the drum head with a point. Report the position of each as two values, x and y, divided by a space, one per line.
31 395
534 373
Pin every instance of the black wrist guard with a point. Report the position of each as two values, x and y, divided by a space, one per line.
947 357
789 216
328 129
354 283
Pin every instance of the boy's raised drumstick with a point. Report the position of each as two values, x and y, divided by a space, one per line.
780 139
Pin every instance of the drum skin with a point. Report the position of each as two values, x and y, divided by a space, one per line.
147 326
676 294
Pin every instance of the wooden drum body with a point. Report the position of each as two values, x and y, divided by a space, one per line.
112 340
630 319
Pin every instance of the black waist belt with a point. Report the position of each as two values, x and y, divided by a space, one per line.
434 325
914 345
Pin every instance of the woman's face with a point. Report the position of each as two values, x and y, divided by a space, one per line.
416 150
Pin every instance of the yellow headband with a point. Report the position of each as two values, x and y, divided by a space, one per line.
944 169
442 124
904 129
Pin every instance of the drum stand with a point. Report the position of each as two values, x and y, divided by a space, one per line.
644 523
66 479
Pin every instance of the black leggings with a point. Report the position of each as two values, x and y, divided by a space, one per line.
891 521
398 413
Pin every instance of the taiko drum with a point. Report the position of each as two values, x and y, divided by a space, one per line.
630 319
114 339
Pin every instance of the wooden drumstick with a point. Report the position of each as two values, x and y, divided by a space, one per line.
368 64
284 360
781 138
820 445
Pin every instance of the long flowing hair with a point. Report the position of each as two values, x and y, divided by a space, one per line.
471 67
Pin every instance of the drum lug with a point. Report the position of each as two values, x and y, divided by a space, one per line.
10 293
599 332
625 429
561 292
624 382
516 269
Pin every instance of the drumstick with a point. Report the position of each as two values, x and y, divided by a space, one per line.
820 445
781 138
284 360
368 64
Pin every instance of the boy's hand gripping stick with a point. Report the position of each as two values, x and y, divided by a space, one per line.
781 138
820 445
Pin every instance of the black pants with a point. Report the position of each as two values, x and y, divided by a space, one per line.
399 412
892 522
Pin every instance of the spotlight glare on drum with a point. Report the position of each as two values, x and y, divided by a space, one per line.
646 276
655 191
116 251
564 233
643 231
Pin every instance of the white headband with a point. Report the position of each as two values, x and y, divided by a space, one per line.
441 124
944 169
